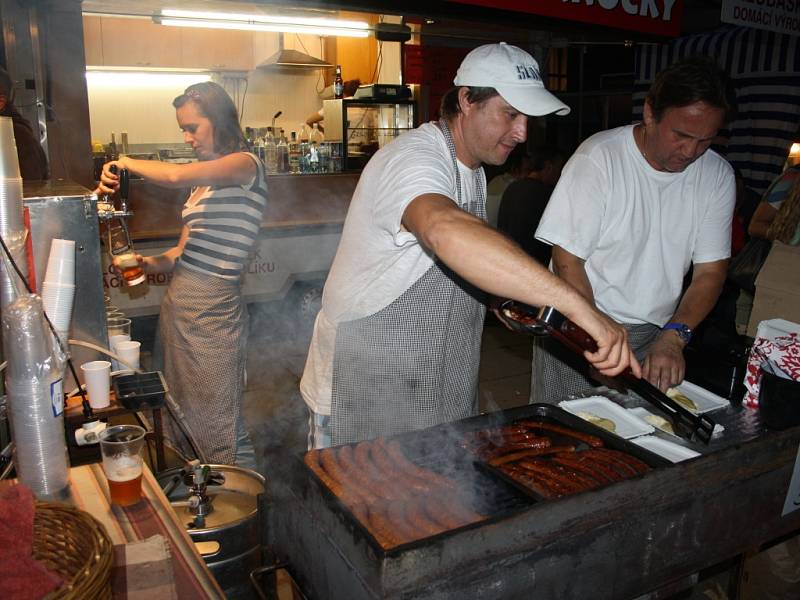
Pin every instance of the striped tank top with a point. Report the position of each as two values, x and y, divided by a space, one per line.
223 226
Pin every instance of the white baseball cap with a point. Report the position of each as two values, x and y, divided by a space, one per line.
514 74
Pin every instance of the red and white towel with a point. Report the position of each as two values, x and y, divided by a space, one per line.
778 343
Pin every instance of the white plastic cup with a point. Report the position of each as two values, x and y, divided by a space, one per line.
97 376
113 340
61 262
57 300
9 161
117 326
129 353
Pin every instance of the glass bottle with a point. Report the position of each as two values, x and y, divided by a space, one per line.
338 83
271 152
283 154
294 154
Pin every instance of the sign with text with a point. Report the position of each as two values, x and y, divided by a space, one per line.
660 17
780 16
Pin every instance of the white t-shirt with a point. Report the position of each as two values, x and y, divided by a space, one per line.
639 229
376 261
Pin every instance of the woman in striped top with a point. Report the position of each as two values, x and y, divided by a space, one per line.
203 320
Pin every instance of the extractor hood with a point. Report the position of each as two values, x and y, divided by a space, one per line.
292 59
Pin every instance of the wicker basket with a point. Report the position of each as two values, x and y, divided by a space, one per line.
72 543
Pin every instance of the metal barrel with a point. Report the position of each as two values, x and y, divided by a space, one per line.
230 540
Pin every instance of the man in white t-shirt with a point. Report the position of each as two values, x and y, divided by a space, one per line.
636 207
396 344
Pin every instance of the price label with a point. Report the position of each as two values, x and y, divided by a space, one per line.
57 397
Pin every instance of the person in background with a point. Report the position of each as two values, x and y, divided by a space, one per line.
524 200
396 345
779 192
203 320
635 207
516 166
32 159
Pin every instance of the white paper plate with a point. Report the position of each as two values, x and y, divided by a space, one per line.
669 450
705 400
627 425
642 413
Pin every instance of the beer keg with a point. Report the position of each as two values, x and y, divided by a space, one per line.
229 536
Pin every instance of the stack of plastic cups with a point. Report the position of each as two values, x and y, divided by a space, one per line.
58 289
12 227
37 414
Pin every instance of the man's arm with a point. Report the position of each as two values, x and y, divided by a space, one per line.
571 269
494 263
664 365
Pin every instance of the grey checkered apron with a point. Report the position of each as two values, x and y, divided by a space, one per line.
203 329
558 372
414 363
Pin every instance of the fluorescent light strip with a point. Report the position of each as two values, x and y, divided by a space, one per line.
251 22
138 79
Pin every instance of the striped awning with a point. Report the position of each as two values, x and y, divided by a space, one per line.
765 69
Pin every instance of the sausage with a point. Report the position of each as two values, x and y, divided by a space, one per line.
591 440
602 467
419 520
437 510
571 461
512 456
630 465
396 515
544 489
374 478
568 485
350 475
586 482
395 453
385 464
382 529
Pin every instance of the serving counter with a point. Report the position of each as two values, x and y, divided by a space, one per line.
616 542
153 515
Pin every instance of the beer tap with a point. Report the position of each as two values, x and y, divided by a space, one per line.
106 211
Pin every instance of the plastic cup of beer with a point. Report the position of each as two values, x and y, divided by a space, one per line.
121 447
132 272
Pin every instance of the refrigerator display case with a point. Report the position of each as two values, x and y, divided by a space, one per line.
364 126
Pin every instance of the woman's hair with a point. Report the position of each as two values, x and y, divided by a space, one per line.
215 105
787 220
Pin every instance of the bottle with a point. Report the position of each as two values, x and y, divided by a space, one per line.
113 154
294 154
271 152
283 154
316 135
338 83
303 133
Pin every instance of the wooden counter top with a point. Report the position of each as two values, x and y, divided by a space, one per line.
292 201
153 515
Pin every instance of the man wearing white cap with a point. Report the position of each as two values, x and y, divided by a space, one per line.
396 344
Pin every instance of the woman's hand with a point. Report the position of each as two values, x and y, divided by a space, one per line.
109 182
121 262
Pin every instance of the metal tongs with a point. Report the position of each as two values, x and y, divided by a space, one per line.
685 423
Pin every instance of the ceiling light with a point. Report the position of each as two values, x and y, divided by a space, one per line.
150 79
253 22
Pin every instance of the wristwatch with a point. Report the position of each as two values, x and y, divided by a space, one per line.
682 329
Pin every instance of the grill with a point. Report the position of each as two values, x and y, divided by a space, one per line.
334 554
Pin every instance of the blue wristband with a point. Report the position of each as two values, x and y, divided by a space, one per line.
682 329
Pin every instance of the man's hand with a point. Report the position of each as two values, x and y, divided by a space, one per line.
613 354
664 365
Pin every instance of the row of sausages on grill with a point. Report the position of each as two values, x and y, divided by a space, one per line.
525 452
395 499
